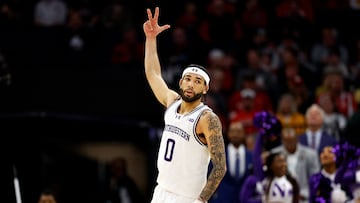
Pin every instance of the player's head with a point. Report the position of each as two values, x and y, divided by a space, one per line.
194 82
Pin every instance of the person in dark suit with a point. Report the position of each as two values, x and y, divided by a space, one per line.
314 136
239 163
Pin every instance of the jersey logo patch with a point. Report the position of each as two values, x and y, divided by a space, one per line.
177 131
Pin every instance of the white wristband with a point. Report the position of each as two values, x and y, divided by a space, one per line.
357 176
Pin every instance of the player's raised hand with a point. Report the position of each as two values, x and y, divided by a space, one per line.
151 26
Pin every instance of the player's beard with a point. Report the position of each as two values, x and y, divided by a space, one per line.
190 99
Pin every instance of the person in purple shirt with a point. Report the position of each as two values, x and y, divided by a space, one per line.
336 182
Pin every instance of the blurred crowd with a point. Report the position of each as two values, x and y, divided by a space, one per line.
263 55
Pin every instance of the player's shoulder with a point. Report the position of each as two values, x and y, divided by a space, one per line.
209 117
208 113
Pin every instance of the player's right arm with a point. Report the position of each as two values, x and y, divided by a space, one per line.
152 64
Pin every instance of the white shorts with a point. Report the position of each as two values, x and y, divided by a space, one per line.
163 196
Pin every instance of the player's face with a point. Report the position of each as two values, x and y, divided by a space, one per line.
192 87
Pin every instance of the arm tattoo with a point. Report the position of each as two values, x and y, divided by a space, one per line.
217 152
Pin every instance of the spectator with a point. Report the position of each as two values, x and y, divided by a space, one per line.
262 99
320 51
245 111
267 138
323 185
120 186
47 196
50 13
239 162
334 122
277 185
287 113
315 137
344 99
301 161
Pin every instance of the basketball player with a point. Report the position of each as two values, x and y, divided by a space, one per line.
192 134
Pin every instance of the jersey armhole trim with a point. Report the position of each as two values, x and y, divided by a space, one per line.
195 125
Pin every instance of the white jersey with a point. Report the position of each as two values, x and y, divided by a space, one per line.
183 159
281 190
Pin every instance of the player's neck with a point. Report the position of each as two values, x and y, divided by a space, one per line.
187 107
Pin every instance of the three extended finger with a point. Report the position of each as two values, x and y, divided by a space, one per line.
149 14
164 27
156 15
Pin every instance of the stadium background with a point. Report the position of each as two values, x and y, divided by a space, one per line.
62 119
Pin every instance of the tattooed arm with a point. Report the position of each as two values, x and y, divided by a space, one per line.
210 126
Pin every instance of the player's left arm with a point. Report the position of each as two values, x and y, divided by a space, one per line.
212 130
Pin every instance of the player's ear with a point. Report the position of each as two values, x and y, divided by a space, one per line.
206 89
